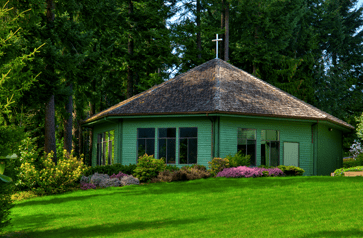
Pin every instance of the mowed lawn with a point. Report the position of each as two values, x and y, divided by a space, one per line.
317 206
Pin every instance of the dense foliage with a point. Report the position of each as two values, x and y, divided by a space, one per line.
148 167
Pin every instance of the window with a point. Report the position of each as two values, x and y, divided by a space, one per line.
270 147
166 141
106 148
145 141
246 143
188 144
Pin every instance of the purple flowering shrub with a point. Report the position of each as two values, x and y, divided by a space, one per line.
247 172
119 175
85 186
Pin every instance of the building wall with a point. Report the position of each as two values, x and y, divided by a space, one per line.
290 131
129 136
100 128
330 150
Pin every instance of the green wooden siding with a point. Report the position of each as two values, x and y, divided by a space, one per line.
129 135
290 131
320 150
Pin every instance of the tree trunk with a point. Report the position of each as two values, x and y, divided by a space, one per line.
226 30
68 125
199 40
50 144
130 73
221 49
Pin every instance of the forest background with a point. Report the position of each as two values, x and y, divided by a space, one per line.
64 61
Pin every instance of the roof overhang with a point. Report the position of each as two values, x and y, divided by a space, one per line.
115 118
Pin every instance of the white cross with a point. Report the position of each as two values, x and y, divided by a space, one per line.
216 40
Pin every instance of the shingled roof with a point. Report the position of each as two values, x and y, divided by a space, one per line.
217 87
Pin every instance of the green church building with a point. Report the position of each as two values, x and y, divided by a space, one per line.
213 110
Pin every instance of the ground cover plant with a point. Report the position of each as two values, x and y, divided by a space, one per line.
286 206
340 172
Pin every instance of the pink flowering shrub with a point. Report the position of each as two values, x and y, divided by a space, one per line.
85 186
243 171
119 175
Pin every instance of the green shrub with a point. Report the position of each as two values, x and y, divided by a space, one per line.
199 167
217 165
172 168
6 190
340 172
148 168
51 178
291 170
351 162
239 159
181 175
22 195
111 169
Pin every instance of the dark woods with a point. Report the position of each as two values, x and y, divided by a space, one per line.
98 53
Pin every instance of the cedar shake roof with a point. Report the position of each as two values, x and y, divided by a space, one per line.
217 87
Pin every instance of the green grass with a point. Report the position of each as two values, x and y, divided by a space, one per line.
215 207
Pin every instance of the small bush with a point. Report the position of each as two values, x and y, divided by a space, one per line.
353 162
239 159
171 168
199 167
340 172
85 186
148 168
111 169
291 170
6 190
51 178
217 165
22 195
181 175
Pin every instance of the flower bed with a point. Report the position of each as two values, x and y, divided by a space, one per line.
243 171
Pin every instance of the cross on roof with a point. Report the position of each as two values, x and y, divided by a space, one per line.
216 40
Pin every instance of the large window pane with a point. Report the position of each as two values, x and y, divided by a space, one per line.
141 147
192 153
251 150
246 134
146 133
263 153
162 149
274 153
167 132
183 151
150 146
188 132
171 151
270 135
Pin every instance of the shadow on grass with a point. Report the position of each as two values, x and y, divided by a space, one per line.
347 233
200 186
31 222
109 229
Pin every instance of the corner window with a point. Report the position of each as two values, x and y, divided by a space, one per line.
246 143
145 141
166 144
270 147
106 148
188 144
